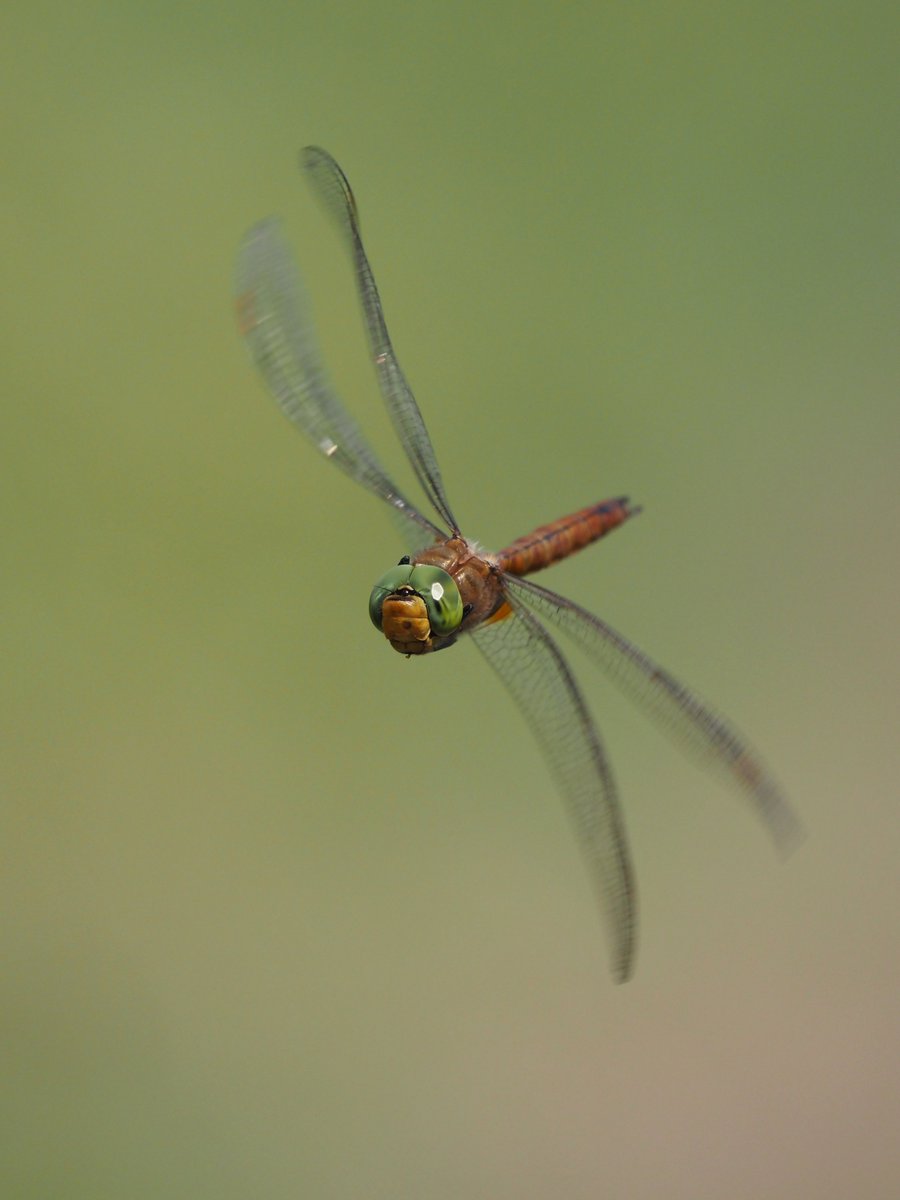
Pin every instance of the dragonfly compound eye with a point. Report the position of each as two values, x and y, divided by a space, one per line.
442 599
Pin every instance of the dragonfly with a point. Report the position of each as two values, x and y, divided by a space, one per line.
446 588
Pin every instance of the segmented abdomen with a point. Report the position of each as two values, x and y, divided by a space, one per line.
550 543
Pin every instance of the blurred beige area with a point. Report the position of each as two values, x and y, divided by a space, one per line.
286 915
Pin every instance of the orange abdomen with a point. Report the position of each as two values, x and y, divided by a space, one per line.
550 543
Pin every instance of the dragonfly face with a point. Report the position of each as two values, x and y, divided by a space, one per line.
417 608
446 587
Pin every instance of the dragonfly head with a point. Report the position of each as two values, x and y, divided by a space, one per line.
416 607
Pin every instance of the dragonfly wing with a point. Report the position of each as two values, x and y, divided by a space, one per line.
332 187
534 670
701 732
275 317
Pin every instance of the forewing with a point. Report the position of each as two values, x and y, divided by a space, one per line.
332 187
703 734
534 670
275 317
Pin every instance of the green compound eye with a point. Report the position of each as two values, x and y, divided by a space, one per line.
436 588
442 598
395 579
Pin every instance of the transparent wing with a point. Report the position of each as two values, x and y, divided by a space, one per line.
275 318
533 669
332 187
703 734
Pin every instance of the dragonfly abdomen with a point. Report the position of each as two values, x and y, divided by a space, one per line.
549 543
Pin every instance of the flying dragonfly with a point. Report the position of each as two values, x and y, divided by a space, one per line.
446 588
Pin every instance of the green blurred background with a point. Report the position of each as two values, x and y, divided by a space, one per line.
285 915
